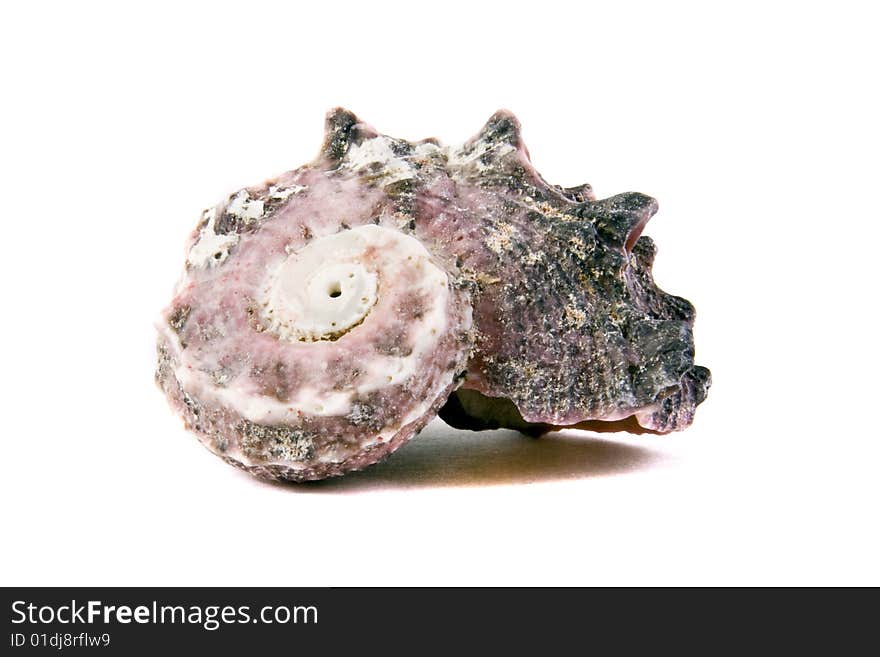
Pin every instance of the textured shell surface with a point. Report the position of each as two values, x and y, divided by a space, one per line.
325 316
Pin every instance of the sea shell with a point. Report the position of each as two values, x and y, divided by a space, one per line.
309 335
325 316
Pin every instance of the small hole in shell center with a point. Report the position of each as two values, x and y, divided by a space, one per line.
334 290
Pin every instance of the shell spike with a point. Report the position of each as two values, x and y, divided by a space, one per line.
620 219
502 128
342 128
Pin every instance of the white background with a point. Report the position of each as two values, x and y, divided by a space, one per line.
756 128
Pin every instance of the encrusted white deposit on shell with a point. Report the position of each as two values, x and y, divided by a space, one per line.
210 248
325 316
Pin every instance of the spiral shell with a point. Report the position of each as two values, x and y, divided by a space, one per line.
325 316
305 339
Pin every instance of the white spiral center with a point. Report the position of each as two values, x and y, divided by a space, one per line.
323 290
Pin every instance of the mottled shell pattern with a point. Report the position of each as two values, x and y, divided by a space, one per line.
327 315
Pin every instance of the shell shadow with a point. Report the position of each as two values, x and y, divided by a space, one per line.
445 457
